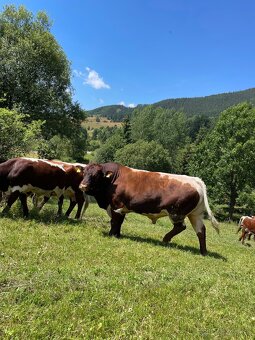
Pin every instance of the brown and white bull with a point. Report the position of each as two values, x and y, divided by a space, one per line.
120 190
247 225
76 196
20 176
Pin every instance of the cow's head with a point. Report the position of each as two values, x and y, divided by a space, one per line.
94 178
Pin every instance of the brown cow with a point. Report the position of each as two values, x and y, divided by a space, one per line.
20 176
120 190
76 196
247 225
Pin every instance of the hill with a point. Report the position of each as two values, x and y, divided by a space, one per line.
115 113
209 105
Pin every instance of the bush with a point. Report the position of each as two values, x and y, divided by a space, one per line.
144 155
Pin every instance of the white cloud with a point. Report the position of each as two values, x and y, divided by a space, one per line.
101 101
131 105
91 78
94 80
78 74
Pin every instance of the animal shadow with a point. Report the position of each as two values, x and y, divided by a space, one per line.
173 245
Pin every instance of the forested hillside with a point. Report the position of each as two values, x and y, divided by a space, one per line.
116 113
209 105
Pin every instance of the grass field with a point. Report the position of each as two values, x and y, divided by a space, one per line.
91 123
63 279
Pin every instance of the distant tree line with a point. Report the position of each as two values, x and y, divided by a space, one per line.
208 106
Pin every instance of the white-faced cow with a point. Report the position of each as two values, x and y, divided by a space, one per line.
120 190
20 176
247 225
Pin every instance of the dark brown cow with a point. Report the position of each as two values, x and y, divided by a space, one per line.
247 225
76 196
120 190
20 176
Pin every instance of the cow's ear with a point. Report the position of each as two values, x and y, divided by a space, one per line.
77 169
108 174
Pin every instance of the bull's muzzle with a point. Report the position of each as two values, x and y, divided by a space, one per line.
83 187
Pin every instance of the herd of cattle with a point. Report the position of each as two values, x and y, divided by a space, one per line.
117 189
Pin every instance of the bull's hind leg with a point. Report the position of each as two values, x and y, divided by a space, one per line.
11 199
116 222
23 200
177 229
198 225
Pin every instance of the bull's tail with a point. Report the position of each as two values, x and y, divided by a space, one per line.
213 220
239 225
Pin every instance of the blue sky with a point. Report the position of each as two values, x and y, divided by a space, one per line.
143 51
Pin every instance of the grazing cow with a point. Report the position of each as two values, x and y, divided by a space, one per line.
120 190
20 176
247 225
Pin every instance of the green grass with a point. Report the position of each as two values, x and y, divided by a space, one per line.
63 279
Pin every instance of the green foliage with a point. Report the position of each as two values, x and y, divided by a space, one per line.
16 136
223 159
144 155
56 148
106 152
34 71
126 126
104 133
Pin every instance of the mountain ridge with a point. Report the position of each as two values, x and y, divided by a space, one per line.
208 105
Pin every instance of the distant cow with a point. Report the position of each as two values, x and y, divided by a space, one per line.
247 225
20 176
120 190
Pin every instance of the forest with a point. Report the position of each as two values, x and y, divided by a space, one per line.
211 139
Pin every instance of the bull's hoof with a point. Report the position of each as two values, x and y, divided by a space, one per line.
166 239
117 235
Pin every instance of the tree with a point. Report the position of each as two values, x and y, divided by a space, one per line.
16 136
106 152
126 126
224 158
144 155
35 73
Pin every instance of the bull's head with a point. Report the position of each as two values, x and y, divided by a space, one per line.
93 178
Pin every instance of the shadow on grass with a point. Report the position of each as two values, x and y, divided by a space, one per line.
173 245
45 217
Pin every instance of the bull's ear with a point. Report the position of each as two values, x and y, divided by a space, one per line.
77 169
108 174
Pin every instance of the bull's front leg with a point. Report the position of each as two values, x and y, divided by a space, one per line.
116 222
60 205
72 204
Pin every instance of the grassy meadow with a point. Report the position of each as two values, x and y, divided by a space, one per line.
91 123
66 279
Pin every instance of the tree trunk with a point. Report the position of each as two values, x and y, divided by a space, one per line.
232 200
